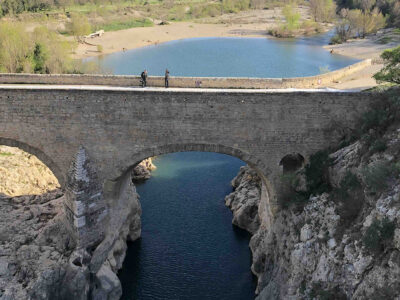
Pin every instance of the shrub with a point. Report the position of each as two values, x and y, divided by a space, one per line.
289 195
376 176
378 145
79 26
323 10
40 56
350 197
316 172
15 48
317 177
381 115
378 235
391 70
292 18
318 292
336 39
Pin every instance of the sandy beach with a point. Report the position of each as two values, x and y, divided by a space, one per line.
143 36
251 23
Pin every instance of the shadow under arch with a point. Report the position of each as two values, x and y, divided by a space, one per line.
39 154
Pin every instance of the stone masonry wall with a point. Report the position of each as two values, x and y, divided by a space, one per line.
120 128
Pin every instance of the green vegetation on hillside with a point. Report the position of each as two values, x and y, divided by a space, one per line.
42 51
391 71
119 25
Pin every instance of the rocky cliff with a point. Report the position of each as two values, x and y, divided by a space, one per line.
38 258
143 170
339 240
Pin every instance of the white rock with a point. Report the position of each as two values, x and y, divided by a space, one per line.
361 264
3 267
305 233
332 243
396 238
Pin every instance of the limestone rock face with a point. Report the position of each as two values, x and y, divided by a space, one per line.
318 250
245 199
34 246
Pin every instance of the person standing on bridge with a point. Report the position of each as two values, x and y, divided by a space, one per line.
166 78
144 78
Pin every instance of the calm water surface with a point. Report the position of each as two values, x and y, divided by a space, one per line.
189 248
228 57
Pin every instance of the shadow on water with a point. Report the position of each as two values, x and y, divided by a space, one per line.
189 248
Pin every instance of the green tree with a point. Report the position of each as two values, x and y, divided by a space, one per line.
391 71
79 26
15 48
322 10
53 53
292 17
40 56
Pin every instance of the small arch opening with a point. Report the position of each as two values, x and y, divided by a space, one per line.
292 162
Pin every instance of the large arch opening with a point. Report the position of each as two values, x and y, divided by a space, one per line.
172 199
30 220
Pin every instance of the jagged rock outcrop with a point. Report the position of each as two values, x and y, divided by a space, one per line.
143 170
39 258
322 250
34 246
245 199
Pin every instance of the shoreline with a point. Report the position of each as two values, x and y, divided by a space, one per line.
139 37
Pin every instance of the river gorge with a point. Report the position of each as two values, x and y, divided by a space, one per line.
181 241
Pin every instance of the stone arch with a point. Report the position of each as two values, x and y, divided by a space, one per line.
292 162
268 176
39 154
248 158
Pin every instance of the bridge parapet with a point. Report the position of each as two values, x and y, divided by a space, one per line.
317 81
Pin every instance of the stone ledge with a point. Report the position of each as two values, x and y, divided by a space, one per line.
317 81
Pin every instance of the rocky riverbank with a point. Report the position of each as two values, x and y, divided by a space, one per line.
143 170
339 244
38 257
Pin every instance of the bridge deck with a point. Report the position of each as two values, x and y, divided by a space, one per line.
158 89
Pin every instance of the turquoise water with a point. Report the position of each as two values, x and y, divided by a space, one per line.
189 248
229 57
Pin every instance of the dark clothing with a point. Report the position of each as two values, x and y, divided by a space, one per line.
144 78
166 78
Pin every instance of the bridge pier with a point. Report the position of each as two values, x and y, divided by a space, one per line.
85 207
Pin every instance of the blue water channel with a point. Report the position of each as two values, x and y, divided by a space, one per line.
228 57
189 248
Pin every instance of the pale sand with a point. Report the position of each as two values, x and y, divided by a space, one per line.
143 36
251 23
364 49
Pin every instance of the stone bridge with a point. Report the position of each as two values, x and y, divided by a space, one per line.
91 137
